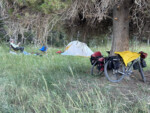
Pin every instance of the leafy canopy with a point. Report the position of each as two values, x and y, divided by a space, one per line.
44 6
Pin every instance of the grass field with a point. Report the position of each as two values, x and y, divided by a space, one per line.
63 84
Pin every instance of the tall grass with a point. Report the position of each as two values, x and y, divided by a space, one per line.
63 84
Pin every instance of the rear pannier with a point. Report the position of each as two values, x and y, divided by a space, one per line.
114 62
95 56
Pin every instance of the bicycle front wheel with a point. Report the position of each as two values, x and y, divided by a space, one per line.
114 75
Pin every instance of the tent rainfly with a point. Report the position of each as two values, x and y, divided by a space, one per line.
76 48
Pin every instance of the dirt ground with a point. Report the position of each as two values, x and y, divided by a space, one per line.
137 77
132 84
147 74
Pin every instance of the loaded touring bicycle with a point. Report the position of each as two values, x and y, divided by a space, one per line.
117 67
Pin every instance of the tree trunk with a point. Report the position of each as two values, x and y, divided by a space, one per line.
121 27
148 41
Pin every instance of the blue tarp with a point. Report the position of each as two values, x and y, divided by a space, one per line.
12 52
26 53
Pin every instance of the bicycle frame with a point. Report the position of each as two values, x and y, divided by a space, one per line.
128 70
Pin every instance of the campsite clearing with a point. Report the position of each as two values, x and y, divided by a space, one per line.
57 83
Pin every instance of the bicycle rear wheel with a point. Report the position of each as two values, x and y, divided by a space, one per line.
114 75
95 70
141 72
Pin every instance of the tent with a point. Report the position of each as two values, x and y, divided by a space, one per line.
76 48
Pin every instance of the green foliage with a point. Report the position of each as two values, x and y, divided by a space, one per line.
52 6
57 39
10 11
98 40
45 6
2 31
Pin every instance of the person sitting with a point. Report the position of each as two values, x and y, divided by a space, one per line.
16 47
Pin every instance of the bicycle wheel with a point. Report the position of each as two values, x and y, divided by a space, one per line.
95 70
114 75
141 72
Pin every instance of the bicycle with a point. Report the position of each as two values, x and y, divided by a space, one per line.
117 72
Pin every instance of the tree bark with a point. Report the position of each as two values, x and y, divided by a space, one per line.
148 41
121 27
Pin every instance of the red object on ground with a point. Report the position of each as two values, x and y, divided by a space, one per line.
96 54
59 52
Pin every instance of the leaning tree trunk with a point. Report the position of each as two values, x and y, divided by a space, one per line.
121 27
